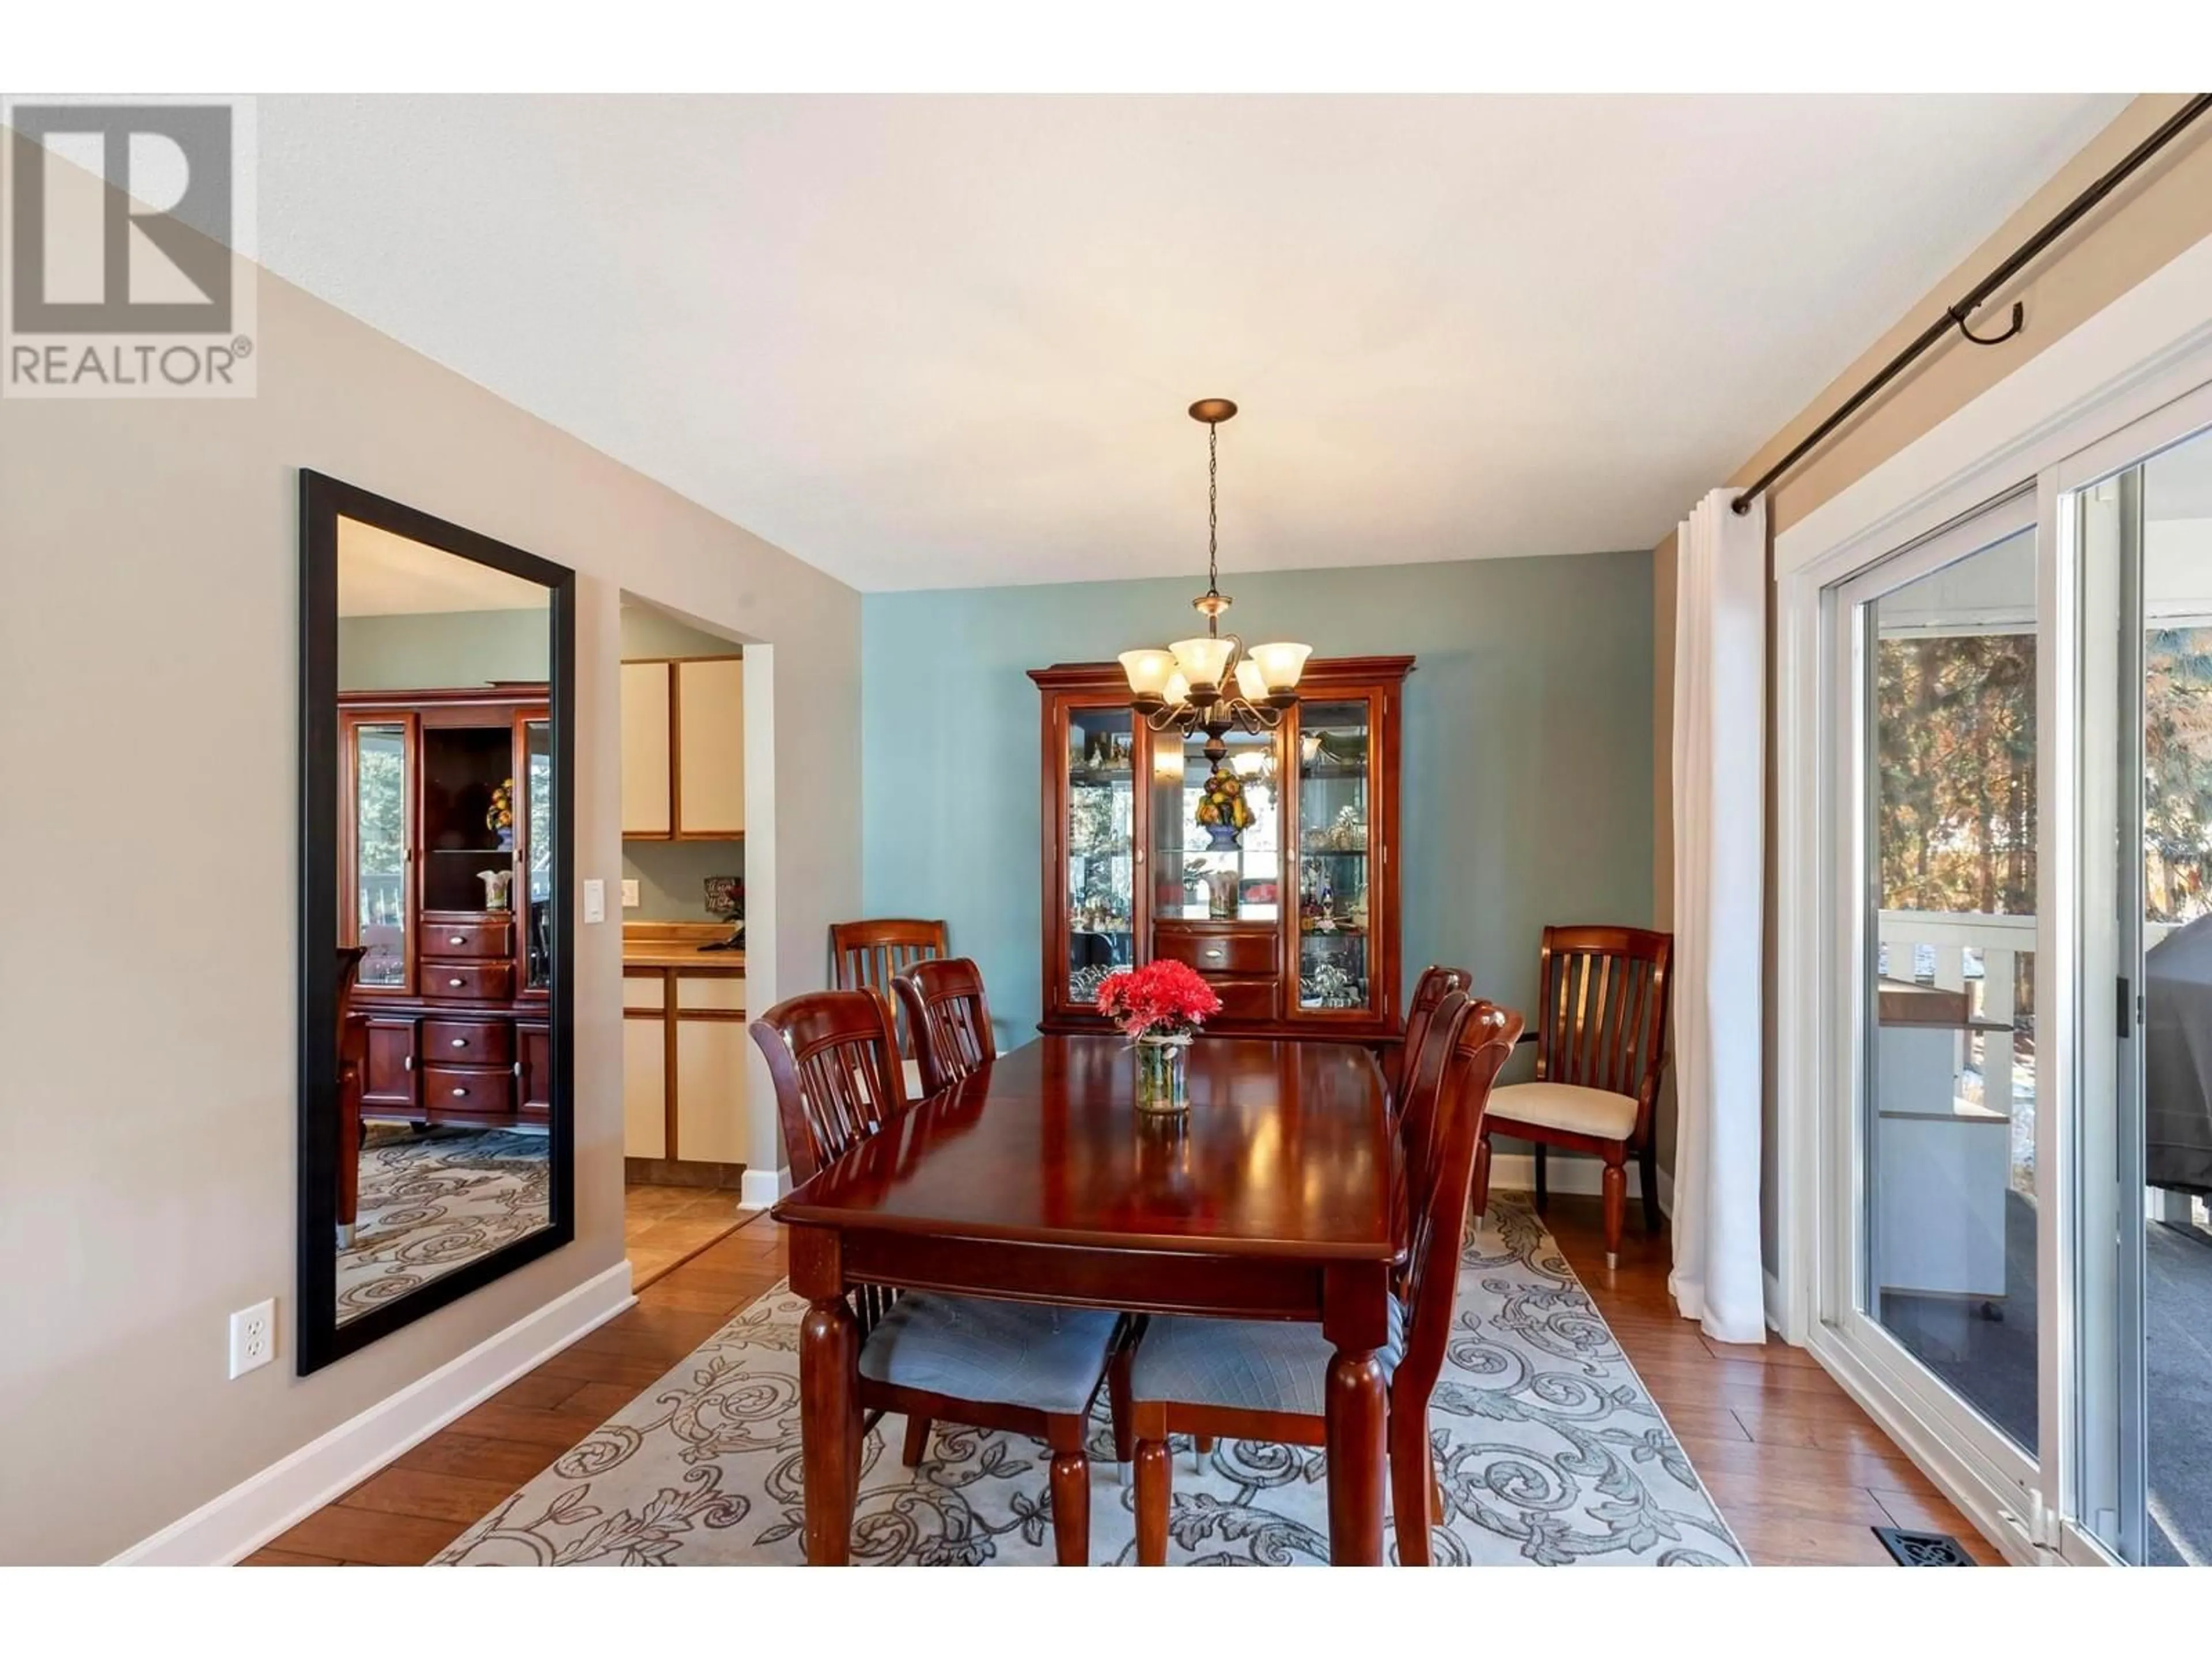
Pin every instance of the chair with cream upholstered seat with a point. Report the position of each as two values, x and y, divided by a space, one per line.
1600 1046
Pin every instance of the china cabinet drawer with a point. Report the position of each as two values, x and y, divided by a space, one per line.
1245 998
468 1088
467 1043
473 937
1226 951
471 981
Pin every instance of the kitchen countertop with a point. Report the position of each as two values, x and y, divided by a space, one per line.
675 944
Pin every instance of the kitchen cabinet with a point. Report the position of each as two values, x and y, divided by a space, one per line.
684 1047
648 804
684 749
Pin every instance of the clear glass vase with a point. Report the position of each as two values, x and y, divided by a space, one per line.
1163 1076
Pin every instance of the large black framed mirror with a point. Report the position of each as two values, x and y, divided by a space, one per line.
437 737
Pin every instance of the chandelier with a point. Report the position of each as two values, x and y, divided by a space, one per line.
1211 684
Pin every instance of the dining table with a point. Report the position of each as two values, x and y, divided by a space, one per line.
1036 1178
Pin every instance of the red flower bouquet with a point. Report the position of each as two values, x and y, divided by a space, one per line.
1163 998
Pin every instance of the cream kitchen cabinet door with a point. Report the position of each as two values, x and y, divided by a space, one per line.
710 749
649 798
645 1087
710 1090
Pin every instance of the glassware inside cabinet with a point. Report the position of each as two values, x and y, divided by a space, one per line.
1336 848
1217 842
1100 843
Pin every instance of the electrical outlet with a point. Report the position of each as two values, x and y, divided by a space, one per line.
630 895
252 1338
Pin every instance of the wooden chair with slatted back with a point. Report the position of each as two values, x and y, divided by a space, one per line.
1430 990
868 956
1019 1366
950 1020
1268 1380
1600 1049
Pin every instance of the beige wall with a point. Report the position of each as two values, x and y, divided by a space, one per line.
2157 216
148 782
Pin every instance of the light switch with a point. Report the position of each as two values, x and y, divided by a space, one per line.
595 901
630 895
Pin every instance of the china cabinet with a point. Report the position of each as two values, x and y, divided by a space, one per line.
445 863
1286 901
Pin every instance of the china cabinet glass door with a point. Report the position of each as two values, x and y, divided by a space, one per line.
1217 843
1336 855
538 851
1100 839
381 757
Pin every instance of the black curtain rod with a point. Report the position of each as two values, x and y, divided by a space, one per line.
1956 316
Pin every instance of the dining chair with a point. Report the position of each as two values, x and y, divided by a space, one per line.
1266 1379
1021 1367
1428 991
949 1017
867 956
1600 1048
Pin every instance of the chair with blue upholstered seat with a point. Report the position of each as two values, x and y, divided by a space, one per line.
949 1018
1435 984
1258 1380
1019 1366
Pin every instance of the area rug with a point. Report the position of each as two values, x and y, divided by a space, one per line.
1551 1453
434 1201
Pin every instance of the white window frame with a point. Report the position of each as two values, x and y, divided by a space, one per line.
2148 348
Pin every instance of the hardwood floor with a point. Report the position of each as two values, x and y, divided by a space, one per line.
663 1227
1800 1472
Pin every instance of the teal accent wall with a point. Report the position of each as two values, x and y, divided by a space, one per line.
1528 746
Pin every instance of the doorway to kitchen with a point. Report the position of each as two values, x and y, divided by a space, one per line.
685 1123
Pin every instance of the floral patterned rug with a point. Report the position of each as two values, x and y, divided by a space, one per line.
1553 1453
434 1201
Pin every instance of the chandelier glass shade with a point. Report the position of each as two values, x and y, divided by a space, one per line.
1212 682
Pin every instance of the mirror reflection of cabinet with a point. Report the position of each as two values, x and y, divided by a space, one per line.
443 788
437 737
684 749
1291 916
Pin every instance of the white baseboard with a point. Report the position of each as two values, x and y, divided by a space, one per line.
240 1521
1568 1172
762 1188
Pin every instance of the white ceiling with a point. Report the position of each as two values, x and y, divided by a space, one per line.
948 341
381 573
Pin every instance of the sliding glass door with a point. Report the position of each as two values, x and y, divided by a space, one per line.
1936 1277
2017 969
2143 1241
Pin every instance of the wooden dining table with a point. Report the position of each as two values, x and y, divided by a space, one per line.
1038 1179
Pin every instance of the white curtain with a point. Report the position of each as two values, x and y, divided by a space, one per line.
1720 688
